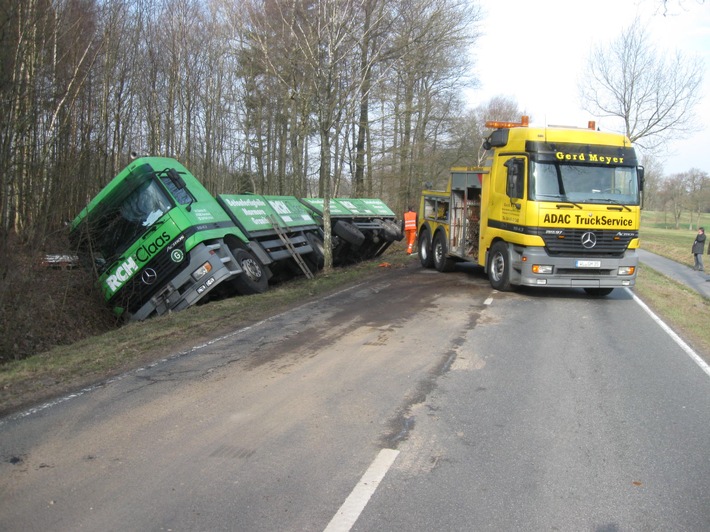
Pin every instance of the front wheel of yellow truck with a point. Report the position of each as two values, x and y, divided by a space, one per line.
499 267
598 292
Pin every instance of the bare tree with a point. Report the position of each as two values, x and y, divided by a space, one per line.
652 92
653 181
698 186
436 35
321 34
469 131
47 53
497 108
372 47
674 192
670 7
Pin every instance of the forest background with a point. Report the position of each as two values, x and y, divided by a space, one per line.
361 98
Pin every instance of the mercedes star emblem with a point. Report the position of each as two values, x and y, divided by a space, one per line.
149 276
589 240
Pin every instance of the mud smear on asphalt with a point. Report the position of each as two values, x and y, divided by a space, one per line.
404 421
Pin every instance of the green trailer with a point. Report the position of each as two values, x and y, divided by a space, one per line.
362 228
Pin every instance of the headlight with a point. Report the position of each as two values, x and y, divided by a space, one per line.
544 269
201 271
627 270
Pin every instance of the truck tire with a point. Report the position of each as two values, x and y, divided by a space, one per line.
499 267
349 232
253 279
440 250
316 259
392 231
425 254
598 292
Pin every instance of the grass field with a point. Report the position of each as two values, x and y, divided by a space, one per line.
659 235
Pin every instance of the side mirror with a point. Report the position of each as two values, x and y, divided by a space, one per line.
176 178
515 177
642 180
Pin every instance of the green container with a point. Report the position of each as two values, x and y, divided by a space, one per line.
257 214
351 207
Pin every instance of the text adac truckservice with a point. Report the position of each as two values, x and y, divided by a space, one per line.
588 220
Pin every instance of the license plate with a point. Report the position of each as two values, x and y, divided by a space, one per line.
589 264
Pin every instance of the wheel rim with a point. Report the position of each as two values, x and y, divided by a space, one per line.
438 253
251 269
497 266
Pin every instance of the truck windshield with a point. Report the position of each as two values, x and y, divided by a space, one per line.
555 181
119 227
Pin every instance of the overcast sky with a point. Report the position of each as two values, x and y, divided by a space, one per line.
536 51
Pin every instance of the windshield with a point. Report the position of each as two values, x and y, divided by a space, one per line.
555 181
115 231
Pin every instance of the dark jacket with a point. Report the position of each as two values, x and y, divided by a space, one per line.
699 244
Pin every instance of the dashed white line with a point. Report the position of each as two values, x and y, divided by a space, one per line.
348 513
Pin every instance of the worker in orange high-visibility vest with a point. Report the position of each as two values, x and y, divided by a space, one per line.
410 229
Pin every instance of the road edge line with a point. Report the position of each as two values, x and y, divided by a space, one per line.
685 347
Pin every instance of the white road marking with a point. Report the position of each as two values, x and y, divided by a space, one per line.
348 513
685 347
488 301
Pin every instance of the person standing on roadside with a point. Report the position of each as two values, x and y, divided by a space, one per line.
410 229
698 249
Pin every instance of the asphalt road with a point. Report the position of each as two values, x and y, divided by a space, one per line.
534 410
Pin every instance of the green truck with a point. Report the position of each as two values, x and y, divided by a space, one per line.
160 242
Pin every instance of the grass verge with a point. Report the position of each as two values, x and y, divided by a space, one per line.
681 308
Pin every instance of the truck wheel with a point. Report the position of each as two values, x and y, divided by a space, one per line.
499 267
598 292
425 255
253 279
316 259
392 231
349 232
440 252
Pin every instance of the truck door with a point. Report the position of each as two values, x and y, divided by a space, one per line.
507 188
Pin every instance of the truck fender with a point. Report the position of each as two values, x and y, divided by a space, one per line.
516 263
259 252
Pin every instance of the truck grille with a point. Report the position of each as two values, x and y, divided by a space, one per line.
136 292
585 242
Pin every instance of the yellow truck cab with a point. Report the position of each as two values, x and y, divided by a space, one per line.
551 207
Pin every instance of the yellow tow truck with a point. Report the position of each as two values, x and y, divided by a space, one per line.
551 207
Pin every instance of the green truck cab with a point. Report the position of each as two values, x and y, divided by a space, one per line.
160 242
